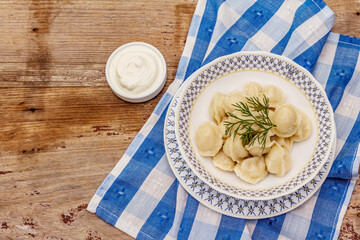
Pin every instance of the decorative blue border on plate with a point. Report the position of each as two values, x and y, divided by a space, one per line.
270 63
228 205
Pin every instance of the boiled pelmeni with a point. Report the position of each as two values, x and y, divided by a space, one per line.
234 148
278 161
232 98
275 95
287 120
256 149
284 142
304 129
216 109
251 170
237 115
222 127
223 162
252 89
208 139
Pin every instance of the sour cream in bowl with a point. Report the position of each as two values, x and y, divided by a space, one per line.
136 72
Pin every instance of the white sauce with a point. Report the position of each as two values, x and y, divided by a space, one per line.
136 70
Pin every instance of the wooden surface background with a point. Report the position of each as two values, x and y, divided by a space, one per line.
62 129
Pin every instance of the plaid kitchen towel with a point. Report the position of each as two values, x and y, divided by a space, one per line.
142 197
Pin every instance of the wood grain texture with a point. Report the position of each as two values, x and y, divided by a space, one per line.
62 129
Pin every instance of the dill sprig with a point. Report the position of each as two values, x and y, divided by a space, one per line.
254 113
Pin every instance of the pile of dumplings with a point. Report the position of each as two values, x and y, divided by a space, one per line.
252 163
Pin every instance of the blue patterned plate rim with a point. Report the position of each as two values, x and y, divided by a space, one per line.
257 61
223 203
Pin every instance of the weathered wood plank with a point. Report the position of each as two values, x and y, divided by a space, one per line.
57 145
347 16
62 129
67 43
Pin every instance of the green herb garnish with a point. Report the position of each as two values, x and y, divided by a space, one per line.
254 113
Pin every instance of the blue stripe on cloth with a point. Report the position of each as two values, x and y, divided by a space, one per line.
322 70
345 203
131 178
180 74
270 227
163 104
141 199
156 133
320 3
194 63
352 87
230 228
344 125
106 215
188 218
327 209
239 8
220 27
246 27
164 167
204 35
104 186
354 42
229 8
194 25
293 220
134 144
148 154
308 58
117 198
341 72
202 231
307 10
250 46
268 29
162 218
343 164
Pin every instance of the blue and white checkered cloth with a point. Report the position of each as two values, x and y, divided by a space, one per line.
142 197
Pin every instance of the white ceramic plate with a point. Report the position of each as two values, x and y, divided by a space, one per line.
234 72
223 203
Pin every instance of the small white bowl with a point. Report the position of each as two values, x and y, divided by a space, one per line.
136 98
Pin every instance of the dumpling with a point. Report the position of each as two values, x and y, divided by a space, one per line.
256 149
278 161
287 120
275 95
234 148
304 129
238 116
216 110
252 89
233 98
223 162
288 161
284 142
251 170
208 139
222 127
224 123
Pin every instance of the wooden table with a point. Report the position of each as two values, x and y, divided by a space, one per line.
62 129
